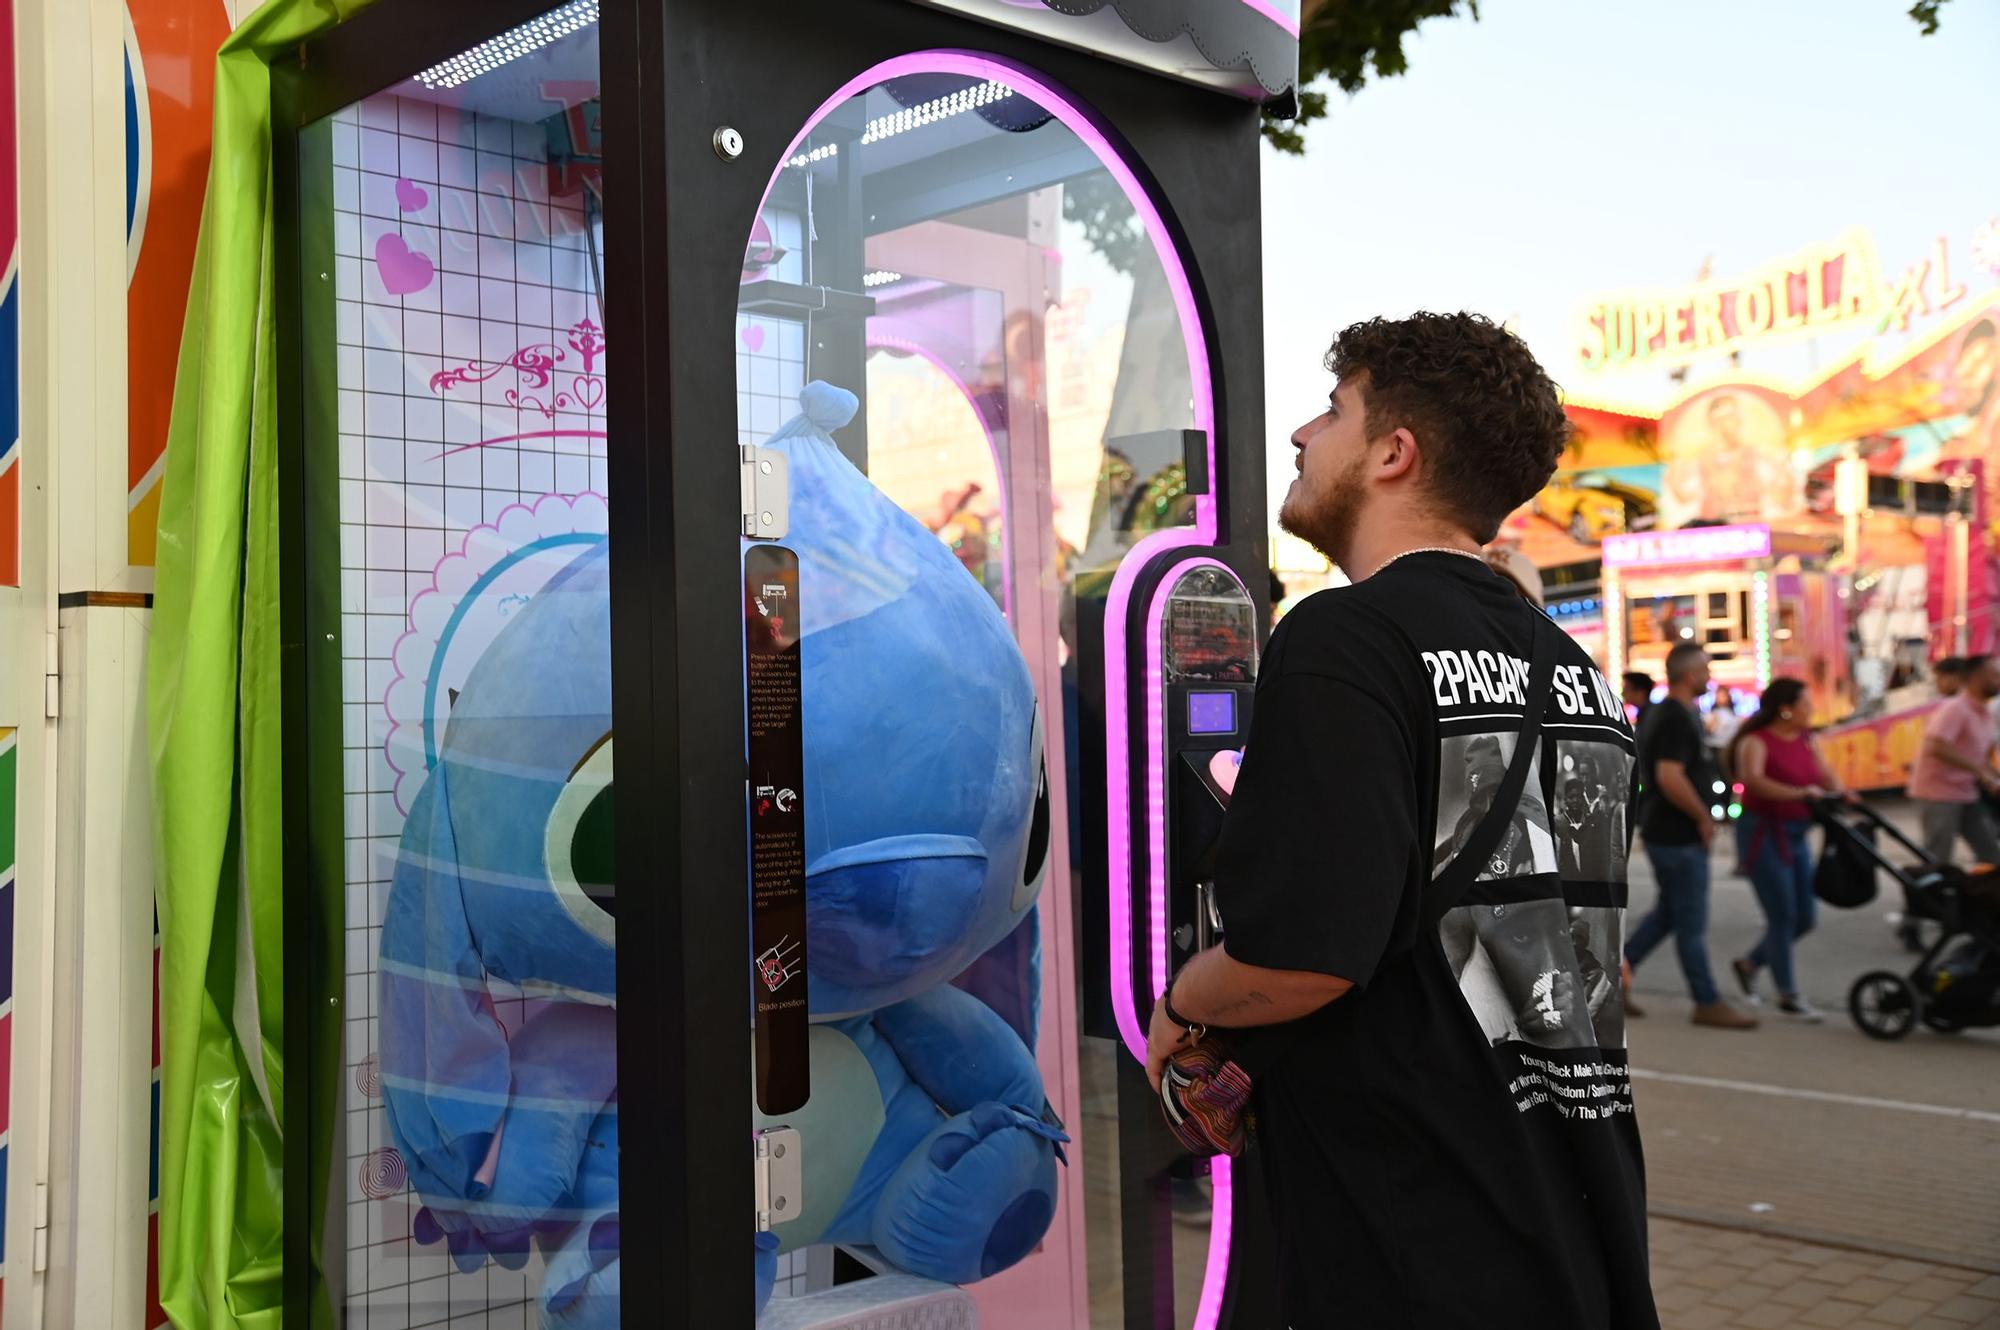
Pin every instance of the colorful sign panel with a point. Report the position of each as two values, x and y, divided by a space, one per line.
1876 754
1706 544
10 313
170 50
1726 456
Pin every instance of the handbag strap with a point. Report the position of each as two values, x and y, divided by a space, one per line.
1260 1048
1450 886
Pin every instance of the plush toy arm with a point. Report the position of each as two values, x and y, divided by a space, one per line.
445 1068
961 1053
492 1131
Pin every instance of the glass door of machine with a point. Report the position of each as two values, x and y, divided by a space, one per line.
455 430
968 370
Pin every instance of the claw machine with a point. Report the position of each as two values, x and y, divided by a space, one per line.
918 562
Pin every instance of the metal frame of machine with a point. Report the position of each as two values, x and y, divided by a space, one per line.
675 72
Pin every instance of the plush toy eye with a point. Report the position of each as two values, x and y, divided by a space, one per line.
578 846
1035 856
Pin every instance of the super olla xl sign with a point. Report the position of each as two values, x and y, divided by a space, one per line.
1819 289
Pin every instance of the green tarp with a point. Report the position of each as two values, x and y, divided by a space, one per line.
213 719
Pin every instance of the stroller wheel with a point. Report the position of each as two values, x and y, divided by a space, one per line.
1883 1004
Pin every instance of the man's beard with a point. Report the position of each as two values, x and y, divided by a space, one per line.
1327 523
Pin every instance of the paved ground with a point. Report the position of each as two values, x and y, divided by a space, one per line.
1806 1175
1711 1277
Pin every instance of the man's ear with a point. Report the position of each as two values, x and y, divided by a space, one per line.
1396 454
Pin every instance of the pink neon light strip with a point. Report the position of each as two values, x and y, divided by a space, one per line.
1289 22
1156 759
1118 747
1215 1275
886 342
1118 780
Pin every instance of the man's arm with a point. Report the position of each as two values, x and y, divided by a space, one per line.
1215 988
1942 751
1674 783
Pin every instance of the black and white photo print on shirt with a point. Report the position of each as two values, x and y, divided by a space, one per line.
1597 933
1517 972
1591 780
1471 769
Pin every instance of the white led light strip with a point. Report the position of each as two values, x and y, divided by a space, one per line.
915 117
530 37
938 108
879 277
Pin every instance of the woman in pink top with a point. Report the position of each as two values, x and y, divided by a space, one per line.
1782 770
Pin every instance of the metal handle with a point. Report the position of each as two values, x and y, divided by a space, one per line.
1207 919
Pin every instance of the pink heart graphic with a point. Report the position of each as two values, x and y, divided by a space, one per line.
589 390
402 269
411 196
1222 768
753 337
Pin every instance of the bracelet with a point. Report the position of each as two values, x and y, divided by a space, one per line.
1167 1001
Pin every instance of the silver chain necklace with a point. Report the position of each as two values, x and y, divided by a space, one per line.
1429 549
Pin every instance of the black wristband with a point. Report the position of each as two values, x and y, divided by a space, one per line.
1167 1001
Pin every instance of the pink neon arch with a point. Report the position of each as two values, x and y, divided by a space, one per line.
1079 121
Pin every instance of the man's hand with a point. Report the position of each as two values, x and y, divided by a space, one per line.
1704 827
1989 780
1215 988
1162 1038
1548 1005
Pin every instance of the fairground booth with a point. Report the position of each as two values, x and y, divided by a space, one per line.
918 562
1833 524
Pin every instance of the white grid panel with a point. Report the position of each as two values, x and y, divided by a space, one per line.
450 255
418 469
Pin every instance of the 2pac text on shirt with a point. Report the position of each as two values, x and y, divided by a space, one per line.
1459 678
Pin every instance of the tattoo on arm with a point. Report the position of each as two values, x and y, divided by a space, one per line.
1253 998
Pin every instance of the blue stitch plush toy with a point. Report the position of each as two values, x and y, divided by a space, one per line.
927 1135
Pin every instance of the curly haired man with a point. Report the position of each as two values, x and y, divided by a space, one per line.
1448 1140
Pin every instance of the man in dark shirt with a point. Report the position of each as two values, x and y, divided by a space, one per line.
1448 1140
1676 778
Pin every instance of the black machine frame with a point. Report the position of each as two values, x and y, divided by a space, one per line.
673 73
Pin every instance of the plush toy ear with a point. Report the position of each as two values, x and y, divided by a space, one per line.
883 913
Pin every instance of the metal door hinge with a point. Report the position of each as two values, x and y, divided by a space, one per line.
51 678
780 1176
767 491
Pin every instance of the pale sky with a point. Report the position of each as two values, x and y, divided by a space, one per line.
1558 150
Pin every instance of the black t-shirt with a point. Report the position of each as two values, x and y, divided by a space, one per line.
1668 732
1451 1142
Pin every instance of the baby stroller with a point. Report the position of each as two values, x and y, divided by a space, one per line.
1955 984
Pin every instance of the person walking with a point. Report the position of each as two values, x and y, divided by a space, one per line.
1949 675
1426 1163
1675 777
1956 764
1953 770
1783 771
1720 729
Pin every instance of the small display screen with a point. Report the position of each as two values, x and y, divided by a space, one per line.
1211 713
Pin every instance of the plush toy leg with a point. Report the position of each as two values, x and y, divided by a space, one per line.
580 1289
973 1198
767 1268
